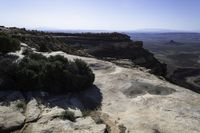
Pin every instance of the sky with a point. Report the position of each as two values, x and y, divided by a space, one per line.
118 15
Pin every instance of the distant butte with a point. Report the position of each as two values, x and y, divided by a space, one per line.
173 43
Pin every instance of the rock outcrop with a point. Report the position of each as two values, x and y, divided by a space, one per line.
131 51
142 102
130 100
50 122
187 77
10 119
42 117
32 111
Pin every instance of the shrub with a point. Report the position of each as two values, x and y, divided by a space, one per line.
21 105
27 51
69 115
110 37
8 44
55 74
138 44
43 48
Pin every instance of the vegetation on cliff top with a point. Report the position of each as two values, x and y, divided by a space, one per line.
55 74
112 37
8 44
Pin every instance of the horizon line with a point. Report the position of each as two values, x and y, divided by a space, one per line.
147 30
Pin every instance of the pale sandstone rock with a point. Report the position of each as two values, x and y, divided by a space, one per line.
10 119
160 107
32 111
77 112
88 125
51 123
164 107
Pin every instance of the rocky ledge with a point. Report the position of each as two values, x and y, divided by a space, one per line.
34 112
127 100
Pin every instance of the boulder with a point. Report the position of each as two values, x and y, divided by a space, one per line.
10 119
32 111
50 122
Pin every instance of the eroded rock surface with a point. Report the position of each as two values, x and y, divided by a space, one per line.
132 100
144 103
50 122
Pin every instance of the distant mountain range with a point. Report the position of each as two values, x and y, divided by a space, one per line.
124 31
161 31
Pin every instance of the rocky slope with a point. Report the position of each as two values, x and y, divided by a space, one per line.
134 52
130 100
187 77
99 45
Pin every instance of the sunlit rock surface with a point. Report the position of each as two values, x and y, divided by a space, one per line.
131 100
142 102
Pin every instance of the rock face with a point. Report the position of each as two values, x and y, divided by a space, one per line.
187 77
143 103
49 122
131 100
130 50
42 118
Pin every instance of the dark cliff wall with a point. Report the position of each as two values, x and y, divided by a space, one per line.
132 51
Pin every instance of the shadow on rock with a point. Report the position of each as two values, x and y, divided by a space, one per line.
19 108
85 100
138 89
9 96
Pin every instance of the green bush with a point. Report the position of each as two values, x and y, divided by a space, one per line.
55 74
21 105
43 48
138 44
69 115
8 44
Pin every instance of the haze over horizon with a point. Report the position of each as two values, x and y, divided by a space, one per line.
117 15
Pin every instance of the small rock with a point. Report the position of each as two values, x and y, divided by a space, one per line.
88 125
50 113
77 112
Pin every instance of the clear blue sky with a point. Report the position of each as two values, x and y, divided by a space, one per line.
102 14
